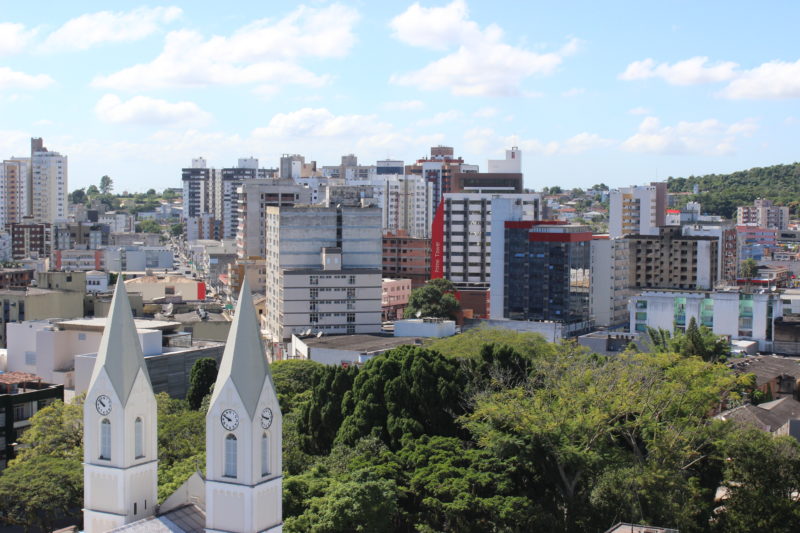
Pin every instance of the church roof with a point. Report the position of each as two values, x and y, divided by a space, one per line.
120 351
244 361
187 519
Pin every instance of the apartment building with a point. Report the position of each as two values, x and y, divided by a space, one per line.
763 213
323 270
406 257
48 184
407 203
637 210
672 260
31 239
609 292
438 169
14 190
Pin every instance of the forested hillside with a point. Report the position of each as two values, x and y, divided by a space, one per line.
720 194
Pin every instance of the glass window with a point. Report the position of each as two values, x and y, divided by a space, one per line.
264 454
105 439
230 456
139 437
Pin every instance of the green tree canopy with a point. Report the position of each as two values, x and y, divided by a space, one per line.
322 416
78 196
201 378
106 185
749 268
434 299
148 226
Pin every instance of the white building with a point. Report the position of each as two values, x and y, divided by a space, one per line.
118 222
96 281
764 214
48 183
609 293
637 210
323 271
138 258
727 311
512 164
406 203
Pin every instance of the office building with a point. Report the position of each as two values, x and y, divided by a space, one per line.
323 272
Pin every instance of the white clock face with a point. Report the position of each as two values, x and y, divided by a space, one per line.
103 404
266 418
229 419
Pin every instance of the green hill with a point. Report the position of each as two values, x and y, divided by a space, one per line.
721 194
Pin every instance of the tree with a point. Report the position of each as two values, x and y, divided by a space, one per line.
56 431
696 341
148 226
92 191
151 192
78 196
434 299
749 268
322 416
408 391
293 379
176 230
106 185
470 343
201 378
38 491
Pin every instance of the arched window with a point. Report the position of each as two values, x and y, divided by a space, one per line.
264 454
230 456
138 432
105 439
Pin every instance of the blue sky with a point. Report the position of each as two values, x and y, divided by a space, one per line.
617 92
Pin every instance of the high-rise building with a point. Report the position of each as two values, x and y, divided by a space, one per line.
14 190
547 271
323 271
31 239
438 169
390 167
609 292
763 213
671 260
407 203
48 184
406 257
637 210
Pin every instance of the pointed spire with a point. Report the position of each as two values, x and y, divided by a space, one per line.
244 361
120 351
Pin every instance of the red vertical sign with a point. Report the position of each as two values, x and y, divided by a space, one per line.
437 243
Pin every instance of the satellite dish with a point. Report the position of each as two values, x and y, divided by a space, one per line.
307 332
419 314
319 334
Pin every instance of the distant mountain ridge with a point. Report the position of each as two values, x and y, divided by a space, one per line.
721 194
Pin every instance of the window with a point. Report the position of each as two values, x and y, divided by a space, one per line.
230 456
105 439
351 317
352 280
138 427
30 358
264 454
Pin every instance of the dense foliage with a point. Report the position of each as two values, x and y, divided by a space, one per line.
201 379
721 194
480 437
435 299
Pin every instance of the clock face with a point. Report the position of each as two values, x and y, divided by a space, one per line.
266 418
229 419
103 404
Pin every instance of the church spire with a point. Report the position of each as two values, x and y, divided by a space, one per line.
244 361
120 351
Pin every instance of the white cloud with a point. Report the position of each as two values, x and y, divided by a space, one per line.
774 80
43 122
485 112
264 51
404 105
14 143
314 123
443 117
14 37
584 142
578 144
639 111
708 137
11 79
92 29
574 92
691 71
143 110
482 65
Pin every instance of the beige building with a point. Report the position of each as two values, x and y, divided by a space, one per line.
14 190
156 287
764 214
35 303
671 260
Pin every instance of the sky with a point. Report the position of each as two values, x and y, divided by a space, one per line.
618 92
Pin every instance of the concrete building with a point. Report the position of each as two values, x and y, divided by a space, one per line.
755 242
763 213
637 210
167 288
406 257
389 167
394 297
438 169
33 303
727 237
48 184
730 311
323 271
672 260
83 235
138 258
96 281
609 292
31 239
346 349
14 190
11 278
504 176
406 203
546 272
118 222
22 395
78 260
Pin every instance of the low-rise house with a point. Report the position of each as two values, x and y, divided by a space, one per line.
777 377
779 417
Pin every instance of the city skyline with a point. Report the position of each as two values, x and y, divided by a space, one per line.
587 96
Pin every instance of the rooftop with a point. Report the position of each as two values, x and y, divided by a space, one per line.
359 343
98 323
770 415
766 367
188 519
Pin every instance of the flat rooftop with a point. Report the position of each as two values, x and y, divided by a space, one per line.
98 323
375 342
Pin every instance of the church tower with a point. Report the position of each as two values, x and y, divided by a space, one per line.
119 420
243 434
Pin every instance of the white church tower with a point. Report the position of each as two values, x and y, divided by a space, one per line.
243 434
119 417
